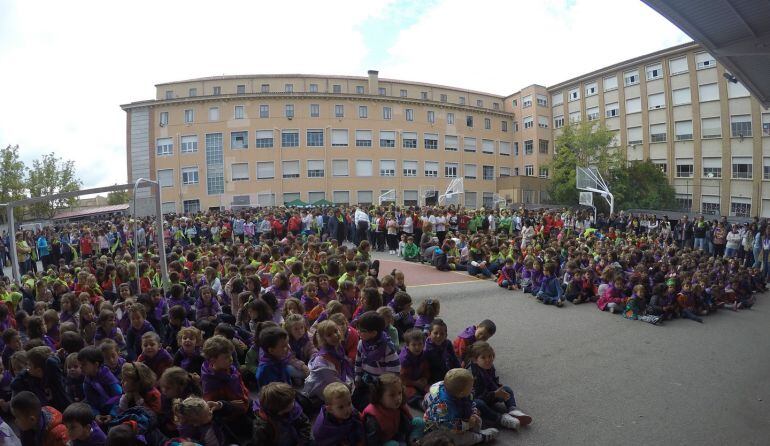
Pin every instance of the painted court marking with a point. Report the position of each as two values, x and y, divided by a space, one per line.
420 275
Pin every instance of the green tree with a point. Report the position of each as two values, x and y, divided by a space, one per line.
644 186
11 177
51 175
118 197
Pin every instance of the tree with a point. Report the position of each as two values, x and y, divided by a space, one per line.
11 177
118 197
644 186
51 175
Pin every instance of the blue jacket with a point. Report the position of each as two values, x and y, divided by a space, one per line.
551 287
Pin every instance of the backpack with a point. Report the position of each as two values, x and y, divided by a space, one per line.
381 225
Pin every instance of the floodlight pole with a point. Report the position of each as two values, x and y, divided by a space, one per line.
12 239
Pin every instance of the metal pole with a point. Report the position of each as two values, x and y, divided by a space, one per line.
136 241
159 236
12 248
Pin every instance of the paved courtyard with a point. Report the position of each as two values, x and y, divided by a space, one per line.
591 378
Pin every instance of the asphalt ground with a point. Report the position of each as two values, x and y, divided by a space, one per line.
593 378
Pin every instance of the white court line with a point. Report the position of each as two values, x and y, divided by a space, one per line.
462 273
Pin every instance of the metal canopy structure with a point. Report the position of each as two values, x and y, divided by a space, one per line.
735 32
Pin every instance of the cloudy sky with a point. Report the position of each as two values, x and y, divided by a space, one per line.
67 66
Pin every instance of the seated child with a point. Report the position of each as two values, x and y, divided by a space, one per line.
403 314
177 320
330 364
44 378
612 299
439 353
75 378
415 371
139 389
220 380
387 314
411 251
139 326
279 418
112 358
273 357
38 424
299 341
82 429
485 330
102 390
507 277
387 420
495 401
550 292
189 356
176 383
194 420
207 306
350 336
449 406
155 357
375 355
636 306
428 310
338 423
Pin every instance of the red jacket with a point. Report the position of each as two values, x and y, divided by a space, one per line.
53 432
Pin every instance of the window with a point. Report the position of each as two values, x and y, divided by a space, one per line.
634 135
450 118
289 110
409 114
410 168
264 139
189 116
742 167
169 94
487 124
711 128
340 168
542 122
611 110
736 90
681 96
264 111
217 91
708 92
163 119
315 138
528 122
238 112
704 61
264 88
409 140
655 101
542 100
315 110
387 168
610 83
359 89
240 89
363 168
238 172
633 105
339 111
504 126
424 95
213 114
431 116
381 91
505 148
556 98
365 197
515 148
341 197
239 140
164 146
189 143
766 168
166 177
191 206
765 124
740 126
410 198
315 168
496 106
684 168
387 113
288 197
168 207
542 146
487 146
443 98
515 171
712 167
313 88
528 147
488 173
573 95
529 170
654 71
469 121
290 138
677 66
288 88
631 78
592 113
430 141
215 166
403 93
683 202
469 144
450 170
469 171
336 88
290 169
450 143
479 102
387 138
505 171
339 137
363 111
526 101
543 172
661 164
740 207
574 117
710 204
592 89
683 130
363 138
265 199
657 132
431 169
265 170
470 200
558 122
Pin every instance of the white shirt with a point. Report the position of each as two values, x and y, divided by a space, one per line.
361 216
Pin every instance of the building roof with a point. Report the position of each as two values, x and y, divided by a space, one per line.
735 32
90 211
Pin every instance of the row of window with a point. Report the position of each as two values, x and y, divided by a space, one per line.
265 170
742 167
710 205
740 127
265 139
336 88
653 71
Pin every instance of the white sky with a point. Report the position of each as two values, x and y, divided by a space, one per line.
67 66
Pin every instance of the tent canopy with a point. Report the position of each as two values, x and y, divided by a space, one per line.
296 203
323 202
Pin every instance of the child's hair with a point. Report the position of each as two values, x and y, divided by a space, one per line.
638 289
456 380
217 345
190 332
141 374
292 302
269 337
414 335
122 435
429 308
292 320
438 322
388 280
79 413
371 321
177 313
138 308
71 358
72 341
180 378
9 334
479 348
108 345
382 383
339 319
105 315
333 306
151 335
386 312
37 356
489 326
35 327
323 329
192 406
371 299
401 300
275 397
50 316
19 361
335 390
26 403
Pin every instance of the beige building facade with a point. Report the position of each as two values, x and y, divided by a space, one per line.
235 141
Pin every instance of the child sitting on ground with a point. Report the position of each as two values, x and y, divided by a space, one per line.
439 353
338 423
376 355
193 418
221 382
428 310
550 292
38 424
279 418
82 429
415 371
153 355
273 357
101 388
189 356
387 314
411 251
139 389
387 419
330 364
482 332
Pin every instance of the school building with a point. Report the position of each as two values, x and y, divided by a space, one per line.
238 141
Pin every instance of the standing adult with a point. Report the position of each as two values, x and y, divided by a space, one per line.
719 239
361 221
699 233
733 241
